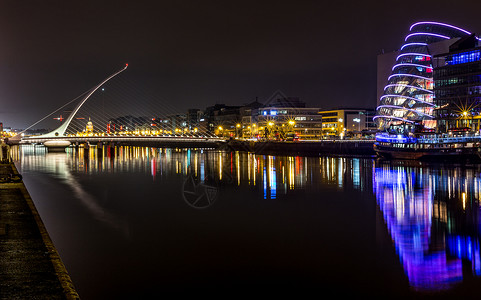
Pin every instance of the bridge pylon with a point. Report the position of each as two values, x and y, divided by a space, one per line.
60 131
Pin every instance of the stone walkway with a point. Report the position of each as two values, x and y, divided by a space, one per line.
30 267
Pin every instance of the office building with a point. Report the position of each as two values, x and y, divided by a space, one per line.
347 122
457 86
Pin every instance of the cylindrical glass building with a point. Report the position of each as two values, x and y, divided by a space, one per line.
408 95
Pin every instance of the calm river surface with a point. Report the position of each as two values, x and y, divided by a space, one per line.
132 221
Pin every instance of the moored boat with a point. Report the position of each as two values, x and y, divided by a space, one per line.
428 146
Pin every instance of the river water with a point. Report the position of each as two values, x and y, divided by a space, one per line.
130 222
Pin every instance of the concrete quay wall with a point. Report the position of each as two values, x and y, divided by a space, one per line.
361 148
30 266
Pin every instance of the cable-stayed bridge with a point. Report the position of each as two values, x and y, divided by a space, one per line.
122 118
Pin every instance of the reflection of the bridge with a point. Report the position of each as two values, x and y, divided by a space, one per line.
432 216
56 165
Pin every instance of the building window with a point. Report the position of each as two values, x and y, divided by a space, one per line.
332 114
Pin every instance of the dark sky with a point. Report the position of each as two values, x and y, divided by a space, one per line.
198 53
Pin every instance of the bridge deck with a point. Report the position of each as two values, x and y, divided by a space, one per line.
152 140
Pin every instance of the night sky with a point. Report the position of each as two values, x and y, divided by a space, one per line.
193 54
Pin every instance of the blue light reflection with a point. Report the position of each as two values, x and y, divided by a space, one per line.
428 214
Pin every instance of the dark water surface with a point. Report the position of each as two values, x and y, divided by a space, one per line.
133 221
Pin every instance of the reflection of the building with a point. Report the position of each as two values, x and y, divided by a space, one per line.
432 217
276 176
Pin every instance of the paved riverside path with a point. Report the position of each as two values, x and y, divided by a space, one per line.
30 267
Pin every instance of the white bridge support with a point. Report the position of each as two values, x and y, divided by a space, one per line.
60 131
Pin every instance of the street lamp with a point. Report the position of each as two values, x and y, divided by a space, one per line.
268 131
237 129
465 115
358 121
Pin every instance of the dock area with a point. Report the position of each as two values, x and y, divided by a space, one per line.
30 266
351 148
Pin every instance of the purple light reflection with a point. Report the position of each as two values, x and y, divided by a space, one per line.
407 212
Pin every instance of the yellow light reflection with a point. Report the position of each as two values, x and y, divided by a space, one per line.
237 167
291 172
220 166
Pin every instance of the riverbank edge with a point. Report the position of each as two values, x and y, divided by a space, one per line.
59 267
344 148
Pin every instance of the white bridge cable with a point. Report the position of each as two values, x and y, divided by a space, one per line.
118 99
161 108
55 111
104 108
91 110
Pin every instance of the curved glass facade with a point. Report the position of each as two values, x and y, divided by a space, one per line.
408 95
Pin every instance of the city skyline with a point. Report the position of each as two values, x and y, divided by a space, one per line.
192 55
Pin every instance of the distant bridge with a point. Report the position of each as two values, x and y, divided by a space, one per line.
152 141
163 140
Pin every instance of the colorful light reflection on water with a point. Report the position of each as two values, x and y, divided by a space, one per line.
430 211
432 216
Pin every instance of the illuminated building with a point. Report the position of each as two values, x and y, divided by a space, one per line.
249 114
192 118
286 116
110 127
90 127
129 123
407 98
220 115
235 121
306 123
346 121
457 85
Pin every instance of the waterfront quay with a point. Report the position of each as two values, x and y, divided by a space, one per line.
359 148
30 267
